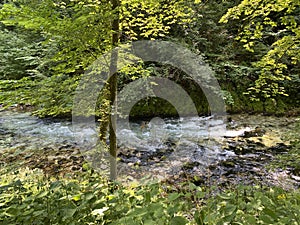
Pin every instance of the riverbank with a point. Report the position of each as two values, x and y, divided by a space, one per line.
161 108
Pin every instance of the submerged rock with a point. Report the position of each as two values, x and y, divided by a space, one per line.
144 158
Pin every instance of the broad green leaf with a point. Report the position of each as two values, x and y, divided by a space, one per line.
178 220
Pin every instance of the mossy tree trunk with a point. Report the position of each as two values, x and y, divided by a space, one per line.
113 93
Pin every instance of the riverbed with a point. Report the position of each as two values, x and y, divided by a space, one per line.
158 149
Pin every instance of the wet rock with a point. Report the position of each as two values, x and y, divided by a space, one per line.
241 147
228 164
279 148
74 158
190 165
143 157
257 132
296 171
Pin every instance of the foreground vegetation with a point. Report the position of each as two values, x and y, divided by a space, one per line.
30 197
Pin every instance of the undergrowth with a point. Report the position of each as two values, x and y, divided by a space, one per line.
30 197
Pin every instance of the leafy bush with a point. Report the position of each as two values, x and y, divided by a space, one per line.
47 98
27 197
252 205
30 197
23 53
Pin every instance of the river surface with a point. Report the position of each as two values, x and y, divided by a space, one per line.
33 132
191 136
157 148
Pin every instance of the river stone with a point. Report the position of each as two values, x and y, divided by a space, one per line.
257 132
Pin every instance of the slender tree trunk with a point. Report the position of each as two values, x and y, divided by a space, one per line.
104 114
113 93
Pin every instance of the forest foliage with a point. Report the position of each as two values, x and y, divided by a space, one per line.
275 25
253 47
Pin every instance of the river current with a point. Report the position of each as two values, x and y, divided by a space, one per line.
160 147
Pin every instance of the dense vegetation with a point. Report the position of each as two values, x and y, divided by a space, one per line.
28 197
46 47
256 61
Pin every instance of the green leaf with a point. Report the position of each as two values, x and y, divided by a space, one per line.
266 219
55 185
250 219
76 197
178 220
68 213
199 217
173 196
42 194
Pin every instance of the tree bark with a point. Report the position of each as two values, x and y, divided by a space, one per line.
113 92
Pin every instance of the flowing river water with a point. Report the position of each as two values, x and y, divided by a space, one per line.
169 148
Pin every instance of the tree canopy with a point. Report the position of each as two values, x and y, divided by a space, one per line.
275 24
254 50
81 32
